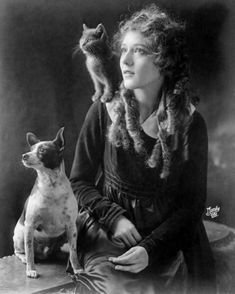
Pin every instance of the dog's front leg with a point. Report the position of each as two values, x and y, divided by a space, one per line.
72 241
29 252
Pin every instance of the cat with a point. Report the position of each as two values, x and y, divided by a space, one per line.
100 62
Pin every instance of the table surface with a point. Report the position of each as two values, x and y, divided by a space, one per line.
14 280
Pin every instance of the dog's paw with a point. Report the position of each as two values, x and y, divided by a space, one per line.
32 274
78 271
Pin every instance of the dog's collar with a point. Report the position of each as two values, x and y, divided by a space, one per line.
149 126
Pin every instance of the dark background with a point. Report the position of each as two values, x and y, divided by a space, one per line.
43 88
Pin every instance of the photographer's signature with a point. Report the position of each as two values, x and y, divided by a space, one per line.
212 212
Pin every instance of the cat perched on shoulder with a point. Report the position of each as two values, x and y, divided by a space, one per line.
100 62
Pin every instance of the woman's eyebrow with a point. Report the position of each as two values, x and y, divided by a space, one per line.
140 44
135 45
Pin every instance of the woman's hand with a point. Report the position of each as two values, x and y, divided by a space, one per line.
125 231
134 260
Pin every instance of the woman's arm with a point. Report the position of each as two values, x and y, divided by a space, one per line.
87 161
179 226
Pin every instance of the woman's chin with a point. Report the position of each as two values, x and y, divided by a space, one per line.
128 85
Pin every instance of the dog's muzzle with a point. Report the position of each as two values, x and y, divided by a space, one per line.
25 157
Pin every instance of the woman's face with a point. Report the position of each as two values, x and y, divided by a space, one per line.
137 62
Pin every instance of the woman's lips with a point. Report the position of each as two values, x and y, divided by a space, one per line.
128 73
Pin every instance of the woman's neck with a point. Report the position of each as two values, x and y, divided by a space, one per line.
148 100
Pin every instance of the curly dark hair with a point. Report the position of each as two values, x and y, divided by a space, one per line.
165 38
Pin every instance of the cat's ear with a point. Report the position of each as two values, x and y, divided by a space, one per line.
85 27
100 30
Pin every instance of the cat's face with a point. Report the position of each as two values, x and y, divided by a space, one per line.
92 38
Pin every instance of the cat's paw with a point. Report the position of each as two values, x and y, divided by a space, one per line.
96 96
106 97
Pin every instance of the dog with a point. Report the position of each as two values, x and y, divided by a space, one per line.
50 212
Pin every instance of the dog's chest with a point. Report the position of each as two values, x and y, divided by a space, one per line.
51 210
52 221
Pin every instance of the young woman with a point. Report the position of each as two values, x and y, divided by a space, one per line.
150 145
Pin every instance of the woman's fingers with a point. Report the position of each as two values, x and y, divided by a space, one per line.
128 252
136 236
134 260
130 268
131 239
125 239
126 231
132 236
124 259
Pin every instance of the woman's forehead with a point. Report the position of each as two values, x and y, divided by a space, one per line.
133 38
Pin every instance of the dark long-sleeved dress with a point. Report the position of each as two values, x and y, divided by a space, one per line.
166 212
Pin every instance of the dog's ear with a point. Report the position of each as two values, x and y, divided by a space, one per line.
59 139
31 139
85 27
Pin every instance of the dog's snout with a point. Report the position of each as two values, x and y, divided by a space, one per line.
25 156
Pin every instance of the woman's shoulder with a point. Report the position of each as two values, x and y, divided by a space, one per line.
96 107
96 111
104 111
198 121
198 128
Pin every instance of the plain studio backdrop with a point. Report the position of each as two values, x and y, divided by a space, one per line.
42 87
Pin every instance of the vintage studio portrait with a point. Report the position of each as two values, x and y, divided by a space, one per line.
117 147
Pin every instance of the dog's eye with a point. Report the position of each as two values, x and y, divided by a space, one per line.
41 149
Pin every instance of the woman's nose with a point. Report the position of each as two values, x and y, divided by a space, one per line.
127 58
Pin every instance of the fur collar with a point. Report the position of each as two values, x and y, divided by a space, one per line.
150 126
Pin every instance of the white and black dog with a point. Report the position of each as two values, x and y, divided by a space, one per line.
51 210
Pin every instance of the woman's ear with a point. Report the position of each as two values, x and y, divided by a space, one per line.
156 57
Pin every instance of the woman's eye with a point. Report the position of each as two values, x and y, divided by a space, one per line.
123 50
137 50
140 51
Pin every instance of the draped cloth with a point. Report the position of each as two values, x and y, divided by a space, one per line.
99 275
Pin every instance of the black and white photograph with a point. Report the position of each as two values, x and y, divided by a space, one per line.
117 147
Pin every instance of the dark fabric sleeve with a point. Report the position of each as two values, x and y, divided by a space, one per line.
190 204
87 162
